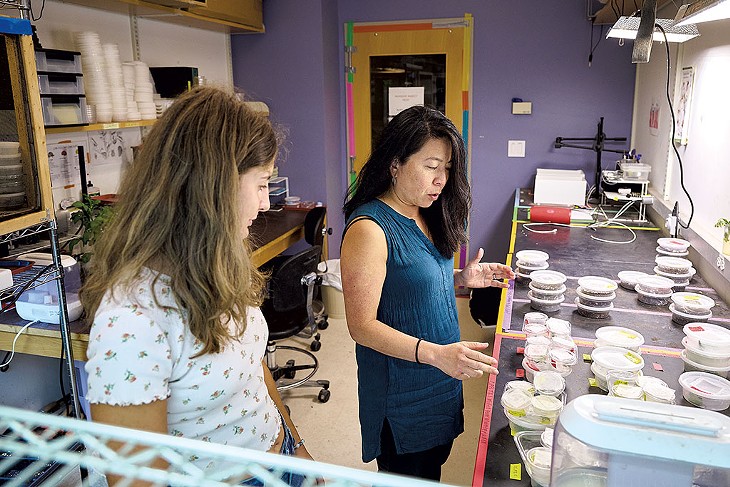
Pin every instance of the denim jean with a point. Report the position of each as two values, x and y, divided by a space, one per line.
287 448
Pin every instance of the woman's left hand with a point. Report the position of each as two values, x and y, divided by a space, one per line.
483 274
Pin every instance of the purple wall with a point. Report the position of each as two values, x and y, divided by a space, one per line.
537 51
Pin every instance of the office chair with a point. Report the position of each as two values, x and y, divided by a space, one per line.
314 232
288 312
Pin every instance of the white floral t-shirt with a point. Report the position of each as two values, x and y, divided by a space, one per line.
140 352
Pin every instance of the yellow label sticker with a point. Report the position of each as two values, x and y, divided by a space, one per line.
632 357
515 471
621 382
109 126
691 298
587 357
516 412
627 334
545 420
592 382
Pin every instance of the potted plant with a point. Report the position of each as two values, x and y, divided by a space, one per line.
91 216
725 224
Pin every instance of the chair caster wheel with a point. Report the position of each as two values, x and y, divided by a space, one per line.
323 325
316 345
324 395
290 374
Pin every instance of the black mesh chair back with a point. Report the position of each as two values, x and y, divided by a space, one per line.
314 229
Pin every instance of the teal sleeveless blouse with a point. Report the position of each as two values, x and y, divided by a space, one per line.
423 405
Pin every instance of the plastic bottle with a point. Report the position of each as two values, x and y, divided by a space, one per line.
92 190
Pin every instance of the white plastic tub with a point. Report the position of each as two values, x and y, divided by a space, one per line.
677 278
669 253
594 301
548 383
521 385
562 361
704 357
655 285
597 286
516 402
692 303
709 337
535 329
558 327
546 407
562 341
616 358
547 294
673 265
548 279
653 299
630 278
530 266
592 312
524 423
705 390
681 318
532 257
535 355
673 244
618 336
656 390
545 306
692 366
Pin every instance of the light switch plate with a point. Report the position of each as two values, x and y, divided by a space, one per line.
515 148
521 108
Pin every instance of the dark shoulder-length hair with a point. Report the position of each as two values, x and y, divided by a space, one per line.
402 137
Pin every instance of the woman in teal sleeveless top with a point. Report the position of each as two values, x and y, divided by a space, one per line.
406 216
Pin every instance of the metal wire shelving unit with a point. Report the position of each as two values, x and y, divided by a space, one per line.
40 448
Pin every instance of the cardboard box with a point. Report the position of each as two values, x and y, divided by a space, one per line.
245 12
180 3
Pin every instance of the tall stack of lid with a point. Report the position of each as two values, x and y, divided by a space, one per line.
12 179
595 296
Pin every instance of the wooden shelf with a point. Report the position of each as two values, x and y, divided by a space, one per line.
178 16
100 126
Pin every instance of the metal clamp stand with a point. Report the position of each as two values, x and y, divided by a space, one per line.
598 147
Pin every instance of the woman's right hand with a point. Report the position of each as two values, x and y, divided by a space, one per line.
461 360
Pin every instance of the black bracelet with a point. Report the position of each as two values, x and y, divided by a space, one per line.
418 344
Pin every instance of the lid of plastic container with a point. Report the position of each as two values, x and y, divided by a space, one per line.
548 382
516 401
533 256
536 351
709 336
535 316
627 391
545 301
548 278
617 358
562 341
521 385
546 404
648 429
593 308
693 301
558 327
540 457
710 354
522 274
620 337
655 282
659 272
651 294
546 438
673 262
631 277
533 266
660 391
645 380
562 356
596 284
537 340
706 385
702 367
695 316
593 297
663 251
535 328
673 244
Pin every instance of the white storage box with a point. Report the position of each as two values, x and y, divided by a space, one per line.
41 303
635 171
560 187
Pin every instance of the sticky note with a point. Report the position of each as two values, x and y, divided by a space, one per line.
587 357
515 471
520 373
658 367
592 382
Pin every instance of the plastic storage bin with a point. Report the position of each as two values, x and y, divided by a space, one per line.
61 84
635 171
64 111
41 303
57 61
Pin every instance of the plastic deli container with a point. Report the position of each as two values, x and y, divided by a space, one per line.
692 366
532 258
537 464
549 383
534 317
662 251
546 438
535 329
616 358
673 265
630 278
547 294
562 361
546 306
681 318
528 267
624 384
709 337
635 171
597 286
516 402
562 341
536 355
692 303
677 278
546 407
653 299
594 300
618 336
705 357
673 244
549 280
705 390
592 312
521 385
558 327
538 340
524 423
655 285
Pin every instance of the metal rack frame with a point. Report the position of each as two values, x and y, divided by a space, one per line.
41 439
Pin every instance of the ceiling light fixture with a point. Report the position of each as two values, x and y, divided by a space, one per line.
627 28
703 11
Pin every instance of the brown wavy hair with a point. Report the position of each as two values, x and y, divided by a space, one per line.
178 213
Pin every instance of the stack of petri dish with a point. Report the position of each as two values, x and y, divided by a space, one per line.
12 179
706 349
606 359
690 307
547 290
529 261
673 247
629 279
655 290
679 270
595 296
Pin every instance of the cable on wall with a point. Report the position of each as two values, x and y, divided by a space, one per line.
674 132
